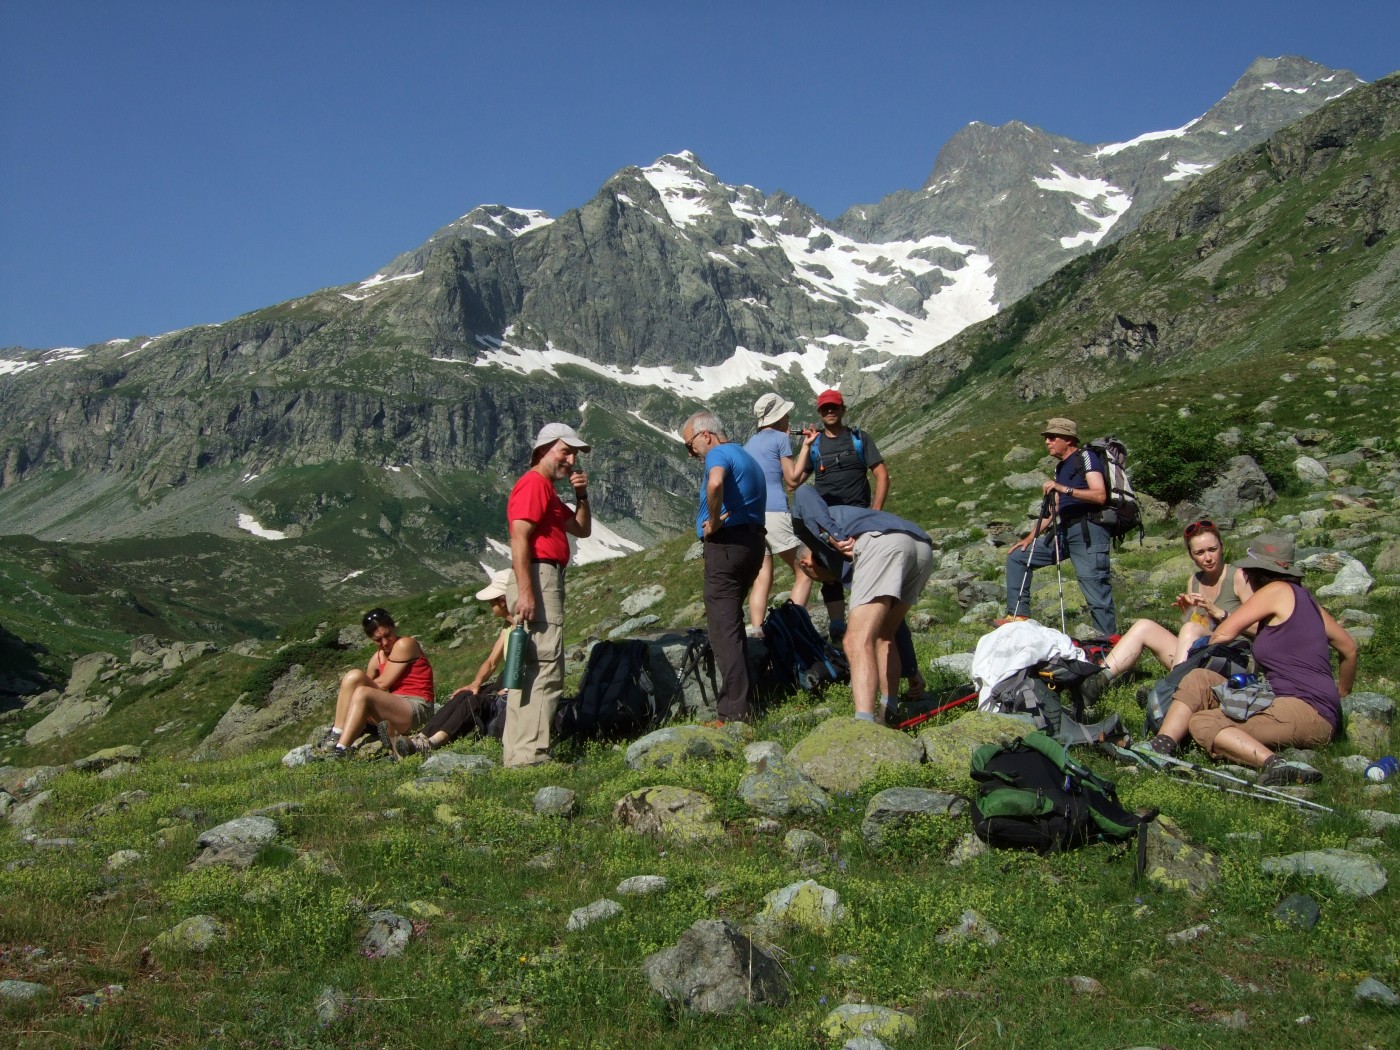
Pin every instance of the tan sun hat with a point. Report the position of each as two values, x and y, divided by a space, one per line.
1061 427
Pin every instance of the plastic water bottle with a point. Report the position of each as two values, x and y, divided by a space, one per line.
1239 681
514 676
1382 768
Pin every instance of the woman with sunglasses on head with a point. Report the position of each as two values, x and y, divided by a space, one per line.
396 686
1293 650
1213 592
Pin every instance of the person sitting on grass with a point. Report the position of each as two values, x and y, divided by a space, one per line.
396 687
1293 649
1213 592
468 708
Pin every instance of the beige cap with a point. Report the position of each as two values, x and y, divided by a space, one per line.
552 432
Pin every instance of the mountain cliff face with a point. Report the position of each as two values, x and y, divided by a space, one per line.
1031 200
1291 245
392 415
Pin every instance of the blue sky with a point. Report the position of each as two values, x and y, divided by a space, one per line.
167 164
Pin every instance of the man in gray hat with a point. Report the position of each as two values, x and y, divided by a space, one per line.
1079 488
540 526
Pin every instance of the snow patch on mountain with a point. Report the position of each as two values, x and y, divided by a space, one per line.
704 382
370 284
248 523
680 191
1183 170
1102 203
1151 136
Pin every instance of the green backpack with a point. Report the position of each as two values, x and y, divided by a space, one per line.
1032 795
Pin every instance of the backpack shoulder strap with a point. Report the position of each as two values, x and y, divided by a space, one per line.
858 441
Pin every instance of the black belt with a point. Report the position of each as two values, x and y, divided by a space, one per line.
548 561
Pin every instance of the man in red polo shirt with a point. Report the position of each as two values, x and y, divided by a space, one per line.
540 526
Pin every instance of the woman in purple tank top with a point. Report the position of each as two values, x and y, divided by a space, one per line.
1293 649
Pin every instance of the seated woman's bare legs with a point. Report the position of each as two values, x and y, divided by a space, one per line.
1190 633
1143 634
353 679
368 704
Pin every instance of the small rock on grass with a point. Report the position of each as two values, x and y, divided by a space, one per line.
598 911
641 885
18 991
98 999
331 1006
387 937
1373 991
868 1019
555 802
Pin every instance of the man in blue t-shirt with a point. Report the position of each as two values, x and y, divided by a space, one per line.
733 495
1079 488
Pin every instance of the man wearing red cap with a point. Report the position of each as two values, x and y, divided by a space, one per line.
838 457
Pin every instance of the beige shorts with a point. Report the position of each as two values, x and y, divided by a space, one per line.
419 711
780 538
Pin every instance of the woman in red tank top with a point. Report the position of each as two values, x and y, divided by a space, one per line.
395 688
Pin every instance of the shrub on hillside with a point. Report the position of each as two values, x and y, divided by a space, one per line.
1176 459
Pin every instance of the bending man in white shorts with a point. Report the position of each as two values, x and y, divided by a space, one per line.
887 560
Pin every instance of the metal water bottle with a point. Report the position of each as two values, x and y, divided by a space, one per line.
1239 681
1382 768
514 676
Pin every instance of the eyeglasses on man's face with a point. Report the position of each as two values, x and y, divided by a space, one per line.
690 445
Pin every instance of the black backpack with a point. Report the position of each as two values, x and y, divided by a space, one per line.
1043 690
616 697
798 656
1121 514
1032 795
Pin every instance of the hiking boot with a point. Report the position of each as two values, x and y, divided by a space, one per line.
1091 688
417 744
386 738
1161 744
338 753
1279 772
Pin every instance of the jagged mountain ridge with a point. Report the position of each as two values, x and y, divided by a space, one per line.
1031 200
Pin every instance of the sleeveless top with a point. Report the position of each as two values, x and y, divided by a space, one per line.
1227 599
1297 658
417 680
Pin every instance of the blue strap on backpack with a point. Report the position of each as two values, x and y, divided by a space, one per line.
814 457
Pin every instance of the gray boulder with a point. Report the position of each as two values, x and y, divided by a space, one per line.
387 936
555 802
668 812
1368 717
1310 470
807 905
196 934
254 830
1242 487
23 815
641 886
450 763
1351 580
598 911
842 753
245 726
1351 874
949 747
870 1020
715 968
100 760
72 712
672 745
777 788
19 991
1373 991
1175 863
1298 909
900 806
642 599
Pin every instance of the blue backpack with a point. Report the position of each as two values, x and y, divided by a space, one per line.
799 657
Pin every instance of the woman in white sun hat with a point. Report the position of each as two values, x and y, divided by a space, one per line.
772 448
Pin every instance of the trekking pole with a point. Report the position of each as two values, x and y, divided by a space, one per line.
1165 764
1059 555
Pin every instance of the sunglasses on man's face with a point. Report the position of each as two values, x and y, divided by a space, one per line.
1204 525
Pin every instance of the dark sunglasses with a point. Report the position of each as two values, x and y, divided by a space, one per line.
1204 525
